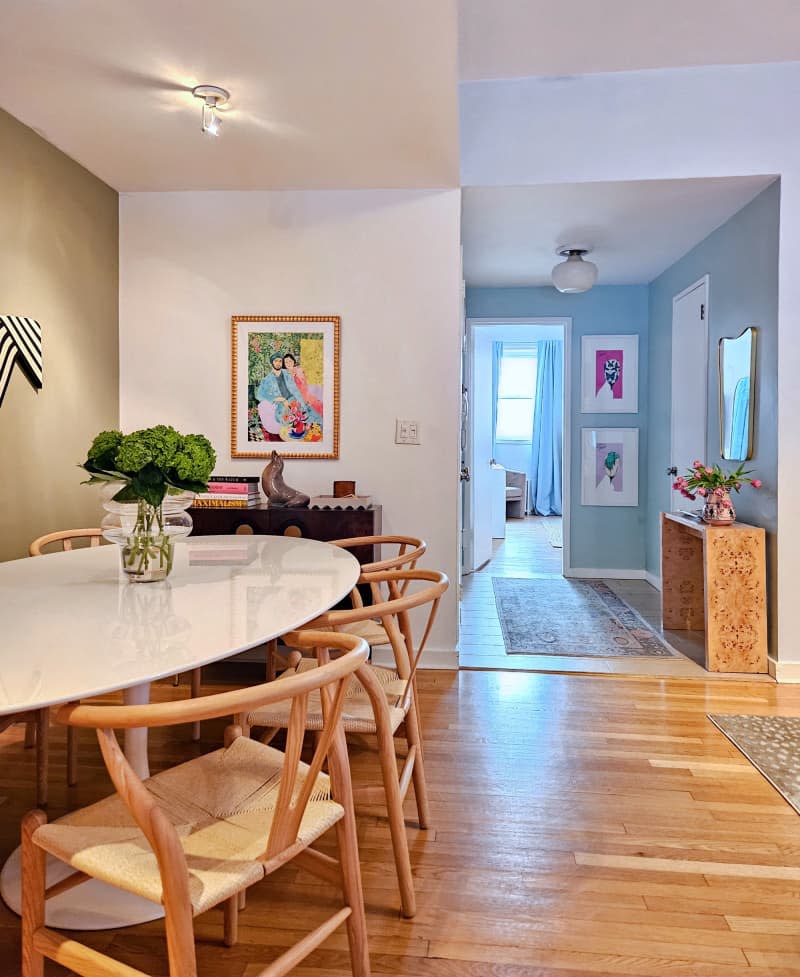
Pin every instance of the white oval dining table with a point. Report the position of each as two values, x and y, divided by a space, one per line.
74 627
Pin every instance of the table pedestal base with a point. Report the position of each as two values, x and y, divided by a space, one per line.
91 906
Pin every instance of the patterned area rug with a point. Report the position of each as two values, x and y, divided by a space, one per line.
578 618
554 531
772 745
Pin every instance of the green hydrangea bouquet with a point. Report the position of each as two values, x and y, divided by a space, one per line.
158 471
151 463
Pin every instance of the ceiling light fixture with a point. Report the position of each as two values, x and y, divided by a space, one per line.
574 274
213 96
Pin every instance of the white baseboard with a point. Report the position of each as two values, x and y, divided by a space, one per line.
580 572
435 658
652 579
787 673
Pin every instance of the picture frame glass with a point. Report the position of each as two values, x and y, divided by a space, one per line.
285 386
610 466
610 374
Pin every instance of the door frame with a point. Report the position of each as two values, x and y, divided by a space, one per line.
476 322
704 280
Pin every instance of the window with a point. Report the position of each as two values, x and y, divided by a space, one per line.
516 392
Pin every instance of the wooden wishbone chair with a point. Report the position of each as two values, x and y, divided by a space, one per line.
37 723
409 550
201 833
382 702
65 537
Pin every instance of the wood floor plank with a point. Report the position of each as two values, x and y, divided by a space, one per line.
581 826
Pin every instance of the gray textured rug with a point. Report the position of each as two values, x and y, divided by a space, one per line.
772 745
577 618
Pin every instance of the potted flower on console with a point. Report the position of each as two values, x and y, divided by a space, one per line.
152 477
714 486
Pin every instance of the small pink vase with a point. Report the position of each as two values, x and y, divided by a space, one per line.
716 512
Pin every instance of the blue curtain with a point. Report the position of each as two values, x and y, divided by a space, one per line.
497 355
544 478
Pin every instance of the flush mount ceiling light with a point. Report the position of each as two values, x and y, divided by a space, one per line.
212 96
574 274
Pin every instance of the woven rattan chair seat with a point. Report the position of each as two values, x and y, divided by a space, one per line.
372 632
222 806
357 715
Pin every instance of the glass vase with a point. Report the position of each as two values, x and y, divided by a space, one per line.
146 534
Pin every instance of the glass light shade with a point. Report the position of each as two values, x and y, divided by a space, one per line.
574 274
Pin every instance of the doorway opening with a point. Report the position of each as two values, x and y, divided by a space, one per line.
516 446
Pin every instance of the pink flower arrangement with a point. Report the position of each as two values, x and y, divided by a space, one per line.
712 483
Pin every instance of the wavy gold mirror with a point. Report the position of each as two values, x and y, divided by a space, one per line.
737 377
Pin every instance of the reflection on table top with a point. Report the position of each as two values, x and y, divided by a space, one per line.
72 626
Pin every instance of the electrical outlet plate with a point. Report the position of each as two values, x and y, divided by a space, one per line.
406 432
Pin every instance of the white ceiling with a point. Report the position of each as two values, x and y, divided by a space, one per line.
637 229
517 38
344 94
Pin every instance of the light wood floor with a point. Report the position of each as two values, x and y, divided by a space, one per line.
582 826
526 552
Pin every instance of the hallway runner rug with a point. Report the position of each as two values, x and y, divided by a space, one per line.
772 745
577 618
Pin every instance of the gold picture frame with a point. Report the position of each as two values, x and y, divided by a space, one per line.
285 386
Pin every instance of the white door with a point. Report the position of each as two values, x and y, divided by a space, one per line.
477 542
689 382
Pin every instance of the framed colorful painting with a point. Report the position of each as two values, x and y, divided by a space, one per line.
285 386
610 374
610 466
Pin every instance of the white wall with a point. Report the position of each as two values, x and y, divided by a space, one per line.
387 262
655 125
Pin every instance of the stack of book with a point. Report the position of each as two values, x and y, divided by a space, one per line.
229 492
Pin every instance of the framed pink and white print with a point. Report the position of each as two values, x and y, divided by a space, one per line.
610 374
610 466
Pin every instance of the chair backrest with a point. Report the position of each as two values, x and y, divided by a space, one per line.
66 538
409 550
330 680
394 594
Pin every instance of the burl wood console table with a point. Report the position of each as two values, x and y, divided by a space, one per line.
713 579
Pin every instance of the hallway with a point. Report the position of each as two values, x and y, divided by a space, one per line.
527 552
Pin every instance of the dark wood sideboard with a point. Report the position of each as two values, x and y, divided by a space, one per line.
322 524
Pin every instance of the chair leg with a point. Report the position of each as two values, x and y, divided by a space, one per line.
397 824
30 734
231 920
197 674
271 650
180 938
347 839
33 885
418 773
42 756
72 756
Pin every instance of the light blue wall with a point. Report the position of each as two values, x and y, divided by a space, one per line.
606 537
514 455
741 258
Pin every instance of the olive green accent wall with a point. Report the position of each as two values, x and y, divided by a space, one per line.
58 264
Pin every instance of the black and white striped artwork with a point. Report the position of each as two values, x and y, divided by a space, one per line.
20 342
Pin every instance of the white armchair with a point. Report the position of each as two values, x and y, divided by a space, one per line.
516 494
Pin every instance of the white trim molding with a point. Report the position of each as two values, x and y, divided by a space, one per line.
653 579
591 573
785 673
440 659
